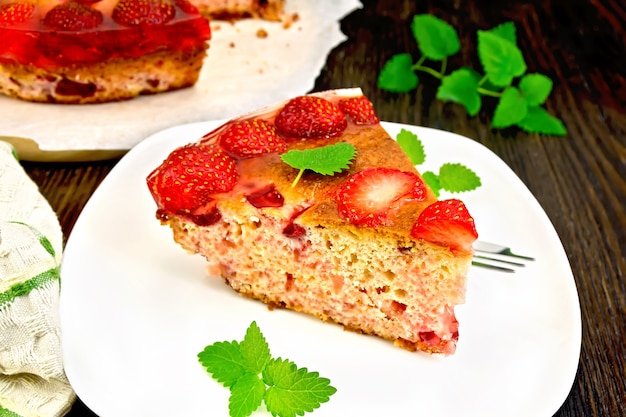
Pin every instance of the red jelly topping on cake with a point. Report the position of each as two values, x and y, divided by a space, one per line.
266 197
368 198
292 229
52 34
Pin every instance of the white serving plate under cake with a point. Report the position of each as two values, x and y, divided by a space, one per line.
136 310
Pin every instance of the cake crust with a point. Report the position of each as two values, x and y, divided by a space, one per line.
272 10
113 80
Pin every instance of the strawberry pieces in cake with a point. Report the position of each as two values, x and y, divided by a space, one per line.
310 117
72 16
367 197
448 223
190 176
244 139
359 109
16 12
140 12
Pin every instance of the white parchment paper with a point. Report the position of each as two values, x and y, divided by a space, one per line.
241 73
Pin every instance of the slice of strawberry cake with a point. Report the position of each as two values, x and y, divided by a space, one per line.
310 205
94 51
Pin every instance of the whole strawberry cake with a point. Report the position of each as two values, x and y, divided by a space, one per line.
93 51
310 205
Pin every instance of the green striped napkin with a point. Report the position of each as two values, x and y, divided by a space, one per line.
32 380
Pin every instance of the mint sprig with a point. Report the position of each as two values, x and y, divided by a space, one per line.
520 96
451 177
325 160
254 377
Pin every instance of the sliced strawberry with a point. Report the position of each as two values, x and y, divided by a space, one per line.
360 110
17 12
367 197
190 176
72 16
447 223
310 116
250 138
143 12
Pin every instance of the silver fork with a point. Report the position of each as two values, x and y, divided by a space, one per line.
483 257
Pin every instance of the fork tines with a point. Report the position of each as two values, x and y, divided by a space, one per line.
501 258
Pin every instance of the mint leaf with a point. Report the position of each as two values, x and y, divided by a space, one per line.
325 160
432 180
224 361
538 120
254 377
501 59
397 74
461 87
536 88
412 146
254 349
456 178
512 108
506 31
246 395
294 391
452 177
435 38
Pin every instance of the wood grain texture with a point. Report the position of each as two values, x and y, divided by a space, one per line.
580 180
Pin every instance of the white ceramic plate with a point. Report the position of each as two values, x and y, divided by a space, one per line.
136 310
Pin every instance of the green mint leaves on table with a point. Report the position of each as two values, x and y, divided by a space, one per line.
519 95
253 376
452 177
325 160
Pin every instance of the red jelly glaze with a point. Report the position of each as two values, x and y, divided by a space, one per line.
31 42
205 216
292 229
267 196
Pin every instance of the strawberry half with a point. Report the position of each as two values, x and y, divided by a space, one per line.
14 13
310 116
360 110
190 176
143 12
367 197
251 138
72 16
447 223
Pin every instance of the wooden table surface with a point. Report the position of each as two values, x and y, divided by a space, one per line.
578 179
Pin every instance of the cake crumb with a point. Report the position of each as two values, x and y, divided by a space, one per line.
261 33
288 21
